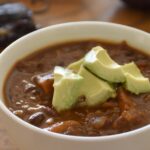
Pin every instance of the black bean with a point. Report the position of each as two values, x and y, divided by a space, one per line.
37 118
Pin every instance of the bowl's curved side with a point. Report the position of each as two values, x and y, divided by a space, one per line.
29 137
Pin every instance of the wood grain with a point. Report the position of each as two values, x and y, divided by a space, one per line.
60 11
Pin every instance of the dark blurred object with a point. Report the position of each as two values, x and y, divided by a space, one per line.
14 11
142 4
15 21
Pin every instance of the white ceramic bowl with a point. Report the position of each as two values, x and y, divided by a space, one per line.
28 137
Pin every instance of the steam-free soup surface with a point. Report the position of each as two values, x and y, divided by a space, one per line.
33 103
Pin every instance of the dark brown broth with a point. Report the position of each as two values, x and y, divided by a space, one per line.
28 101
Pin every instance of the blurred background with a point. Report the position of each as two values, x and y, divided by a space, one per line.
102 10
19 17
47 12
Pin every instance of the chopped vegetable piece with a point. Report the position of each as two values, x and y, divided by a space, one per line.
94 89
76 65
99 63
66 88
135 81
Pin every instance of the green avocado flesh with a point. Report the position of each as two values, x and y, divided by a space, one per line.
99 62
93 77
135 81
66 88
94 89
76 65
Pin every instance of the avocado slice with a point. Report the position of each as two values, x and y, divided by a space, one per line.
135 81
76 65
66 88
94 89
99 63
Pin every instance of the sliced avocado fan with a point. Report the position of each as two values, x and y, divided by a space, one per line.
99 62
66 88
135 81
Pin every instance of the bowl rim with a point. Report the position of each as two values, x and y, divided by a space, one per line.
10 115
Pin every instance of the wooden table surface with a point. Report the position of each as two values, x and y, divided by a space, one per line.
59 11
